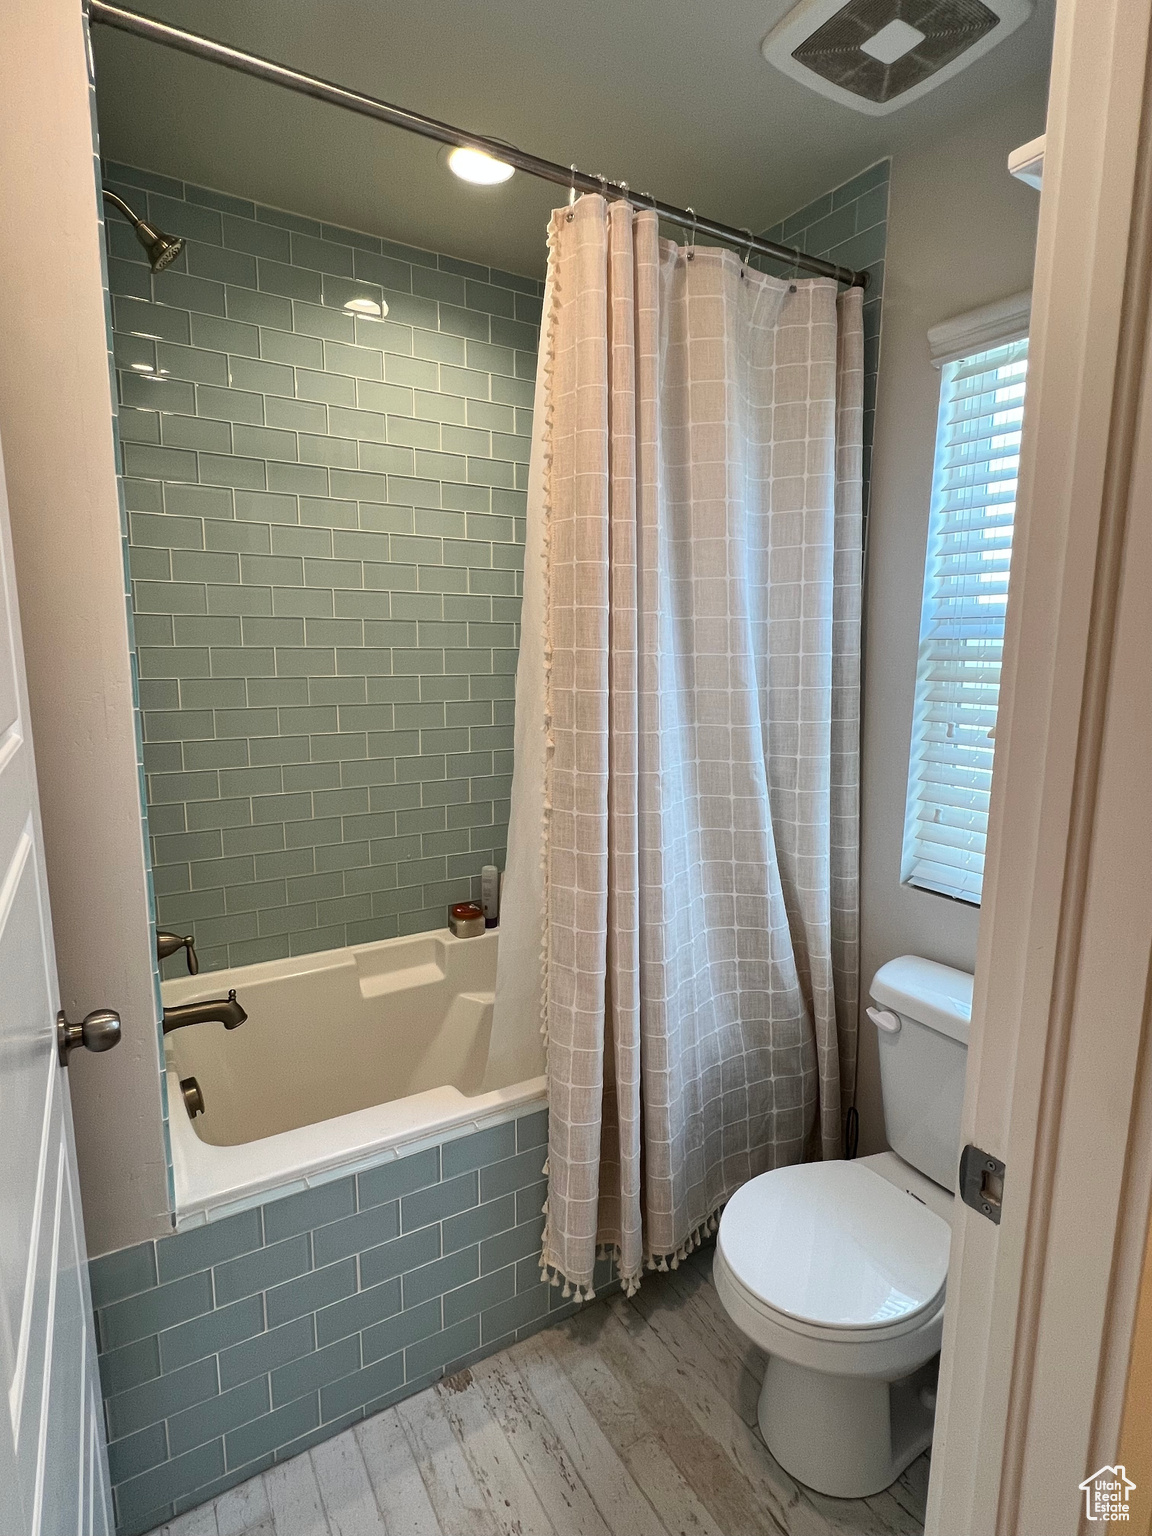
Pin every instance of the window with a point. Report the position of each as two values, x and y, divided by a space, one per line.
965 591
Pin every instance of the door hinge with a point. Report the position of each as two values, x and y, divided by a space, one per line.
982 1182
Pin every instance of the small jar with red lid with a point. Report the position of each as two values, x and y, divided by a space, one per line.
466 919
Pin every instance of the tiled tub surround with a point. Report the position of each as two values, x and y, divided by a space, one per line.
241 1342
326 603
326 527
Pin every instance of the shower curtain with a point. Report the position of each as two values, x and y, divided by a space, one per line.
681 891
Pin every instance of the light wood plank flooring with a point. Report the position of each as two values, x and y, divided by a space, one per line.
632 1418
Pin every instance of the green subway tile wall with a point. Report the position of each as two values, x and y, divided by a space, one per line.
326 519
230 1346
849 226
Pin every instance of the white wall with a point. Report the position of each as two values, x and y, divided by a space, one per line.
961 232
56 427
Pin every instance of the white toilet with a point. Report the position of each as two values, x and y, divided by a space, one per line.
837 1269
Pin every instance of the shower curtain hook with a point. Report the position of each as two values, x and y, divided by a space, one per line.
690 253
603 180
572 191
747 262
795 273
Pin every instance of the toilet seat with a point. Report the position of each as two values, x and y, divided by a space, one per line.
850 1339
836 1252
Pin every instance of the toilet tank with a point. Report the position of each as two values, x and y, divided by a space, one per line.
922 1015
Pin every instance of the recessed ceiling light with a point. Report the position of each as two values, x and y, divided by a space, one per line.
475 166
369 308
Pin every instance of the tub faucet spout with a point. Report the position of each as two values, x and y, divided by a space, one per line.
222 1010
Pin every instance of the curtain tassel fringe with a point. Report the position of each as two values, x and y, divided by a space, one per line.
549 326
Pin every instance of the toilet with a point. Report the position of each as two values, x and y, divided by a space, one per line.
837 1269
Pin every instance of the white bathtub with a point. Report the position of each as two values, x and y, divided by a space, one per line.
348 1058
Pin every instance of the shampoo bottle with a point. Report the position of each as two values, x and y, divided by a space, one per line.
490 894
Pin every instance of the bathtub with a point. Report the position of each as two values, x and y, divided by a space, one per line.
348 1058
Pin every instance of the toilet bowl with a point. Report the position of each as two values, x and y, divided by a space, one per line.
837 1270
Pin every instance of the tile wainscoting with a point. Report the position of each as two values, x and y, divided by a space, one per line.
237 1344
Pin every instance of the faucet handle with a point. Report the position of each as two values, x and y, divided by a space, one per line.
168 943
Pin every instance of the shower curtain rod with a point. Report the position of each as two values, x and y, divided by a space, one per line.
430 128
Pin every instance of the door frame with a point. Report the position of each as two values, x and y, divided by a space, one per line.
1042 1307
57 409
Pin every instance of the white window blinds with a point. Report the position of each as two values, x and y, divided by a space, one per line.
962 623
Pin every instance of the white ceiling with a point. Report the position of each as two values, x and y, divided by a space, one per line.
672 96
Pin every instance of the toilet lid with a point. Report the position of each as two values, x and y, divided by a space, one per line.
835 1244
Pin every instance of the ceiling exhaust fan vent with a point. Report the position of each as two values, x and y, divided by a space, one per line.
876 55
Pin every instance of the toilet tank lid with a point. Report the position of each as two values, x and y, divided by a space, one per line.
932 994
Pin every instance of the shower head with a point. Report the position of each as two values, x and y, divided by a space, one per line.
162 249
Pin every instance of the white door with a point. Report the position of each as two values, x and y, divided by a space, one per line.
1039 1316
53 1465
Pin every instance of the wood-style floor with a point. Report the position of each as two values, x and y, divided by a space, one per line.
632 1418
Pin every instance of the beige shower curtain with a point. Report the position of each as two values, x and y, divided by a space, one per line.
681 898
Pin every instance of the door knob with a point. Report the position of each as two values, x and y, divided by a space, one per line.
100 1031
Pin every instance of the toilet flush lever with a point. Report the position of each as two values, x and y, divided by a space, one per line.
884 1020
